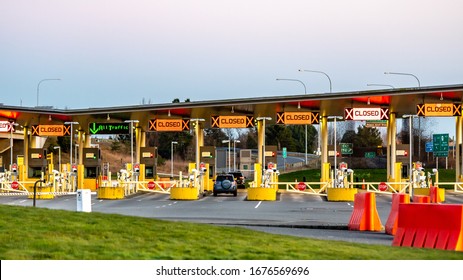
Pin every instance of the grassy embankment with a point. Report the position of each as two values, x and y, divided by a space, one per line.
36 234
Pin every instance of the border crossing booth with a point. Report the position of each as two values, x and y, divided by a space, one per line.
208 158
91 168
148 162
37 163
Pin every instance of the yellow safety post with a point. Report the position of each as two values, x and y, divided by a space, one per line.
258 192
325 175
191 191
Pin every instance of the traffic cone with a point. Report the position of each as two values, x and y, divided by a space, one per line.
363 184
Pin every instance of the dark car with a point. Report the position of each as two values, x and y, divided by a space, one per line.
225 183
239 179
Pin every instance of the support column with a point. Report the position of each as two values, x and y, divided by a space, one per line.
458 142
392 146
26 147
324 148
260 141
199 142
138 137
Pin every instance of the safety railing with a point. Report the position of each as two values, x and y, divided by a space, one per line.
157 186
307 187
383 187
457 186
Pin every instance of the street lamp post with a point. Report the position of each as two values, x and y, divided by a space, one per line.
331 90
172 158
234 153
305 91
131 139
59 157
410 123
320 72
72 139
38 87
419 119
228 152
380 85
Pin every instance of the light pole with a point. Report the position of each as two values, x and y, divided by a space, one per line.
410 123
172 158
12 125
305 91
331 90
59 157
406 74
131 139
38 87
229 156
72 139
419 119
380 85
234 153
320 72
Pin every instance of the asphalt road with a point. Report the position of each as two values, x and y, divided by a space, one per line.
291 214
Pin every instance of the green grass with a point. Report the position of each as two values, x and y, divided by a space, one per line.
37 234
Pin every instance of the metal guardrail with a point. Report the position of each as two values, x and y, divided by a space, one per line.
457 186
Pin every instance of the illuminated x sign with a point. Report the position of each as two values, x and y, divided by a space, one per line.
168 125
439 110
51 130
363 114
232 121
297 118
109 128
5 126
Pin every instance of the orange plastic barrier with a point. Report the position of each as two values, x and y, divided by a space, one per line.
421 199
365 215
392 220
434 194
438 226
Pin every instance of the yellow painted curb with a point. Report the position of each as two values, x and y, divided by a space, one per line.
110 193
268 194
184 193
341 194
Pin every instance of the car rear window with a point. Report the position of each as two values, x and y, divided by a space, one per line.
222 178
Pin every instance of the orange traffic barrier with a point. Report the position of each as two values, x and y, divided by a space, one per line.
365 215
363 184
421 199
392 220
422 225
434 194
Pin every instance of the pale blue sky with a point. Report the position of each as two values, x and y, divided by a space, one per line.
119 52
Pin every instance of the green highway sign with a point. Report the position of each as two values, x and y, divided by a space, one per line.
346 148
440 146
109 128
370 154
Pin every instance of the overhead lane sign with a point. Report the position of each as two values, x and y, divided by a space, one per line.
297 118
232 121
109 128
6 126
439 110
169 125
364 114
51 130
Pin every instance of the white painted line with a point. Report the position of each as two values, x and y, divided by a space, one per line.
258 204
22 201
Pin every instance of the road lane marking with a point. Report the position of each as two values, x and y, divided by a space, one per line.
258 204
